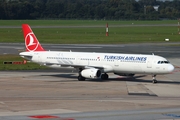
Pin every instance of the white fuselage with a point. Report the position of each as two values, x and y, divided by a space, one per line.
106 62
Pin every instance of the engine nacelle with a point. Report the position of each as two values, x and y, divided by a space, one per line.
91 73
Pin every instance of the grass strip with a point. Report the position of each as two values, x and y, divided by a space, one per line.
117 35
11 58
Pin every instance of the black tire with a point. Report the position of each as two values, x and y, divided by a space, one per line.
81 78
154 81
104 76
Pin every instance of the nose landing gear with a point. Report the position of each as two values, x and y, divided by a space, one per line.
154 79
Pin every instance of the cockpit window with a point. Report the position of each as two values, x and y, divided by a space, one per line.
163 62
166 62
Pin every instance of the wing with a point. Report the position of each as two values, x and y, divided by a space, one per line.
76 66
103 68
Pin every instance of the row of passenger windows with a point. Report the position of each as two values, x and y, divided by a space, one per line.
111 60
163 62
71 58
61 58
89 59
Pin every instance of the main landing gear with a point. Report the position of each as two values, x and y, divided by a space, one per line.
80 77
104 76
154 79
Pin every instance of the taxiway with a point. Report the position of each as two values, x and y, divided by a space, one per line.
58 95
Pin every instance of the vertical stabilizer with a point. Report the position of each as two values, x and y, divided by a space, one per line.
31 42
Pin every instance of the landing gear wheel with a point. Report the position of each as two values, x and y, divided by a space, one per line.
81 78
104 76
154 79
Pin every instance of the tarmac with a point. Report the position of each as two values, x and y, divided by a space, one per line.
58 95
43 92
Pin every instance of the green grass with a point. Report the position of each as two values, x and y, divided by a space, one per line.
91 35
27 66
80 22
117 35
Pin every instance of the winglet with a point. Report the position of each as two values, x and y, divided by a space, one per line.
31 42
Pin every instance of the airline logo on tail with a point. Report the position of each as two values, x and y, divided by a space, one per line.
31 42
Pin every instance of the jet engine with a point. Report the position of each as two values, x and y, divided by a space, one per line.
91 73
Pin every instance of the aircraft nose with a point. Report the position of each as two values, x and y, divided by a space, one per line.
170 68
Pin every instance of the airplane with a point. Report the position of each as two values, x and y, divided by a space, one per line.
94 65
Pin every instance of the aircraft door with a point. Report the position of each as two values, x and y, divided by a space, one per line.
116 63
77 60
118 66
39 59
149 62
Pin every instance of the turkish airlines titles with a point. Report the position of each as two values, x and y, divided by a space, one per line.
126 58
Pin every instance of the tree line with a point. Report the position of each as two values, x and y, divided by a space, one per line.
89 9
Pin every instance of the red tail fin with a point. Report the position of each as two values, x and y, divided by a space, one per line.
31 42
